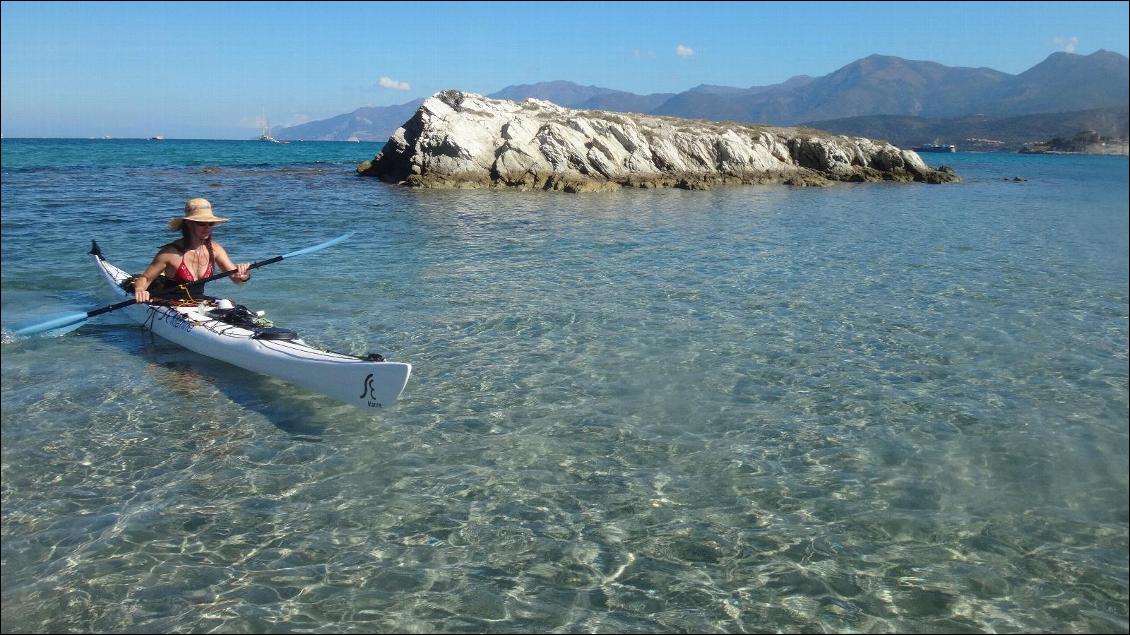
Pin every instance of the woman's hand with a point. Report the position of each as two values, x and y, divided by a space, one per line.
242 272
140 292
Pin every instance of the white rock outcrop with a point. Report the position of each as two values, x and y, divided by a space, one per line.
463 140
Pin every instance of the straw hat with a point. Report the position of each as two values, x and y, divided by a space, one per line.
197 210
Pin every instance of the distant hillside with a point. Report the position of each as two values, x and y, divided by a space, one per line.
572 95
875 85
882 85
722 103
870 93
1065 82
885 85
559 92
374 123
980 132
619 101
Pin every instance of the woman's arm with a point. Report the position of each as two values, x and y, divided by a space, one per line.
142 282
242 273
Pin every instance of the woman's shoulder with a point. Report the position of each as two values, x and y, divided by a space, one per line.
171 248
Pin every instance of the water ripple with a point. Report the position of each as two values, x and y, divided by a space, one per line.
852 409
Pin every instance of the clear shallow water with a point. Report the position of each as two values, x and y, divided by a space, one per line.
860 408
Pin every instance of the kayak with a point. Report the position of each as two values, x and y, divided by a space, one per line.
219 329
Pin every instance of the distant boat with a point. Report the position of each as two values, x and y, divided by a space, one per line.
157 138
936 147
266 136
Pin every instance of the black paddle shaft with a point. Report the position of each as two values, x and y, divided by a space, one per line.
71 319
223 274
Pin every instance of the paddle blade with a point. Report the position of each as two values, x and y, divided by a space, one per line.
328 243
55 326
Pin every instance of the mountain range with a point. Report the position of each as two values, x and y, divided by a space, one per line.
906 102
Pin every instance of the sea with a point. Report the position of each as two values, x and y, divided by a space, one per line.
861 408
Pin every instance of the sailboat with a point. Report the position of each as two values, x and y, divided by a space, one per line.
266 136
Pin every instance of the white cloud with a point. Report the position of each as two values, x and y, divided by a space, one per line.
684 51
1066 44
388 82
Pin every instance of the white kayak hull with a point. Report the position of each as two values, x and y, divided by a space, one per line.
356 381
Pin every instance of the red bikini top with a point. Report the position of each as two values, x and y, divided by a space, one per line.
185 275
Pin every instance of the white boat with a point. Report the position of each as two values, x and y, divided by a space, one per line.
266 136
935 147
205 327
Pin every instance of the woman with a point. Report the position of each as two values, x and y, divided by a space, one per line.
195 256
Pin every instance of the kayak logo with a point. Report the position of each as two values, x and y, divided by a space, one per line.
171 317
367 389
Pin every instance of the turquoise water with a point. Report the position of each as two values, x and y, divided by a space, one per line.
870 407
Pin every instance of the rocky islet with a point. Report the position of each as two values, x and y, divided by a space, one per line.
463 140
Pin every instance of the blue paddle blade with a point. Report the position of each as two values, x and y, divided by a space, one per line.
55 326
328 243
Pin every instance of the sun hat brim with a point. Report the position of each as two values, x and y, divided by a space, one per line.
198 210
175 224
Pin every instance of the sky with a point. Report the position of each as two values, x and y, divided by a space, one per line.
222 70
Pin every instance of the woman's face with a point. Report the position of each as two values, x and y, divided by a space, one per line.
201 231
